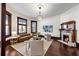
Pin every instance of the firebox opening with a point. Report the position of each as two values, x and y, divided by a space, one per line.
66 38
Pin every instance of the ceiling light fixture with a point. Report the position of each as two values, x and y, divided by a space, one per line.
40 7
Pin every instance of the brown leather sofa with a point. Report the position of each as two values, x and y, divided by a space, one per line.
24 37
21 38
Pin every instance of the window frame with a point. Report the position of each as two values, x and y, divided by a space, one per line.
21 24
31 26
9 24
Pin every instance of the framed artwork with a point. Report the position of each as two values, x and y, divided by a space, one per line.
33 26
48 28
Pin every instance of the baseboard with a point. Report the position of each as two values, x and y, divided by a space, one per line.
52 37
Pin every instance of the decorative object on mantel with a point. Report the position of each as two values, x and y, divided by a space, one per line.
68 32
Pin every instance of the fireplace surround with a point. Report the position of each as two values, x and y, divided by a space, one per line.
66 37
68 33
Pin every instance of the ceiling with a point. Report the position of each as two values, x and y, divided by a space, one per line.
48 9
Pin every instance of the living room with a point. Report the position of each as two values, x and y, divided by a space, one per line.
31 21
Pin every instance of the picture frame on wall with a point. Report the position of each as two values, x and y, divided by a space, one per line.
48 28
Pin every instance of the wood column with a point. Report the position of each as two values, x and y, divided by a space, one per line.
3 18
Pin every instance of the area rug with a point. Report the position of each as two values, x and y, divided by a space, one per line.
21 47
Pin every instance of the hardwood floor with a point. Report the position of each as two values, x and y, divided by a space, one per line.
12 52
56 49
59 49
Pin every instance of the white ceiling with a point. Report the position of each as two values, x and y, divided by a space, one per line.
49 9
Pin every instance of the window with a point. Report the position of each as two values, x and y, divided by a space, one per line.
8 24
33 26
21 25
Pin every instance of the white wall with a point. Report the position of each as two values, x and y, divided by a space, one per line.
72 14
55 21
14 19
0 21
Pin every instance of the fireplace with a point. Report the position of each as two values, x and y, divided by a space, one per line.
68 33
66 38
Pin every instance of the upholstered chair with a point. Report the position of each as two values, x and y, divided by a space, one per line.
48 37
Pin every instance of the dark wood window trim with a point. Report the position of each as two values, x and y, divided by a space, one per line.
31 26
9 23
21 24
